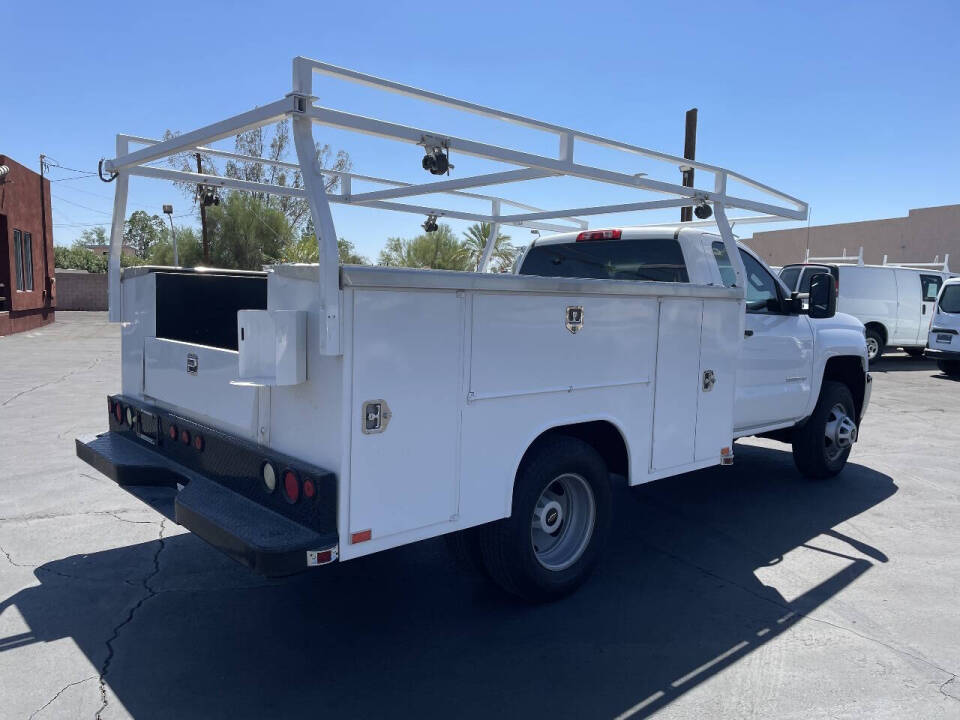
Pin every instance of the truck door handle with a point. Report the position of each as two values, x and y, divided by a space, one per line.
748 333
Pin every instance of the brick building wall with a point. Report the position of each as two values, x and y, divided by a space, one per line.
80 290
25 207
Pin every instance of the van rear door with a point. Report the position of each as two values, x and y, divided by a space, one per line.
909 307
930 285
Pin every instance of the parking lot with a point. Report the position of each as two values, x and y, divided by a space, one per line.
728 593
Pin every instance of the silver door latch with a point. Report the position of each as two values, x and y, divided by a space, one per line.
709 380
376 415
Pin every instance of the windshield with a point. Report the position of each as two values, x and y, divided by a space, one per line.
789 276
950 299
657 259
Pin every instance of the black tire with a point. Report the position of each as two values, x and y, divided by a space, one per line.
812 454
950 368
464 548
914 352
874 335
507 546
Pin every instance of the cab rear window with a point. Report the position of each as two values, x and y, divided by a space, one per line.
660 260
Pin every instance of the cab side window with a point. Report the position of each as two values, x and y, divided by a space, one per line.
761 286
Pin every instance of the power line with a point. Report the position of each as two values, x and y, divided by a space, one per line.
85 207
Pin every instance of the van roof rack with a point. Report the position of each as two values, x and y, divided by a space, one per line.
936 264
436 149
843 258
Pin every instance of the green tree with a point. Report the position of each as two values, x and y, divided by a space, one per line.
245 233
305 250
272 143
503 254
93 236
189 248
438 250
141 231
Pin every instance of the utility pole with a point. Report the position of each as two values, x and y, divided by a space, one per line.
47 280
203 217
689 153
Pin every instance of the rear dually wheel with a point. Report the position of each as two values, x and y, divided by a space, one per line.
559 525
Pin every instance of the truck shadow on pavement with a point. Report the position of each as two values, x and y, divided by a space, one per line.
405 634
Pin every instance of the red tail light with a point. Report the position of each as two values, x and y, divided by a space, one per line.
118 412
198 442
185 437
172 432
309 489
291 486
599 235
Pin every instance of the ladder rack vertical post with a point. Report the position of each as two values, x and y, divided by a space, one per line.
116 234
491 238
314 183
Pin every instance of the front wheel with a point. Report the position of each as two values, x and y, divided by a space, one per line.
559 525
822 445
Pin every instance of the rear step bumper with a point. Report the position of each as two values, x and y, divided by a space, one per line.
225 517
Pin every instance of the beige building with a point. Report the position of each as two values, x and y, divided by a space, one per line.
919 237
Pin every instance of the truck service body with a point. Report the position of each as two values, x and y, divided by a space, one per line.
313 413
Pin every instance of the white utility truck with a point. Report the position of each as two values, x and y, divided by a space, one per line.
315 413
894 301
943 341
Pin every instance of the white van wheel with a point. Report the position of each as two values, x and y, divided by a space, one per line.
874 344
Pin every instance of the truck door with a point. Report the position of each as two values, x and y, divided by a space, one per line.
909 307
776 361
929 289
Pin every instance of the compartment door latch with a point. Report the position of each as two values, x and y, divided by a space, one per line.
376 415
709 380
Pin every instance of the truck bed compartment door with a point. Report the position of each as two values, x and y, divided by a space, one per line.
678 383
407 359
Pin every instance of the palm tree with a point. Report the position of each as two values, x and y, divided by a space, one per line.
476 240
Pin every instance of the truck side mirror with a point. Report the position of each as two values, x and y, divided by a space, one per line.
823 296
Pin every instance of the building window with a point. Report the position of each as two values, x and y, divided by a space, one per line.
18 258
27 261
23 259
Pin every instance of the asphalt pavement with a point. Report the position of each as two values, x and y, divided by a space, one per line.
741 592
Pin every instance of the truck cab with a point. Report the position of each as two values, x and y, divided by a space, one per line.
787 357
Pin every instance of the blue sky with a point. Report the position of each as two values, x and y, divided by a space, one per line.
849 106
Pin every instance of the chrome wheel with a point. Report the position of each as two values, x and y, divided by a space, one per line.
563 521
840 432
873 348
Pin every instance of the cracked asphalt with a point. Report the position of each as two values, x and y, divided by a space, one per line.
729 593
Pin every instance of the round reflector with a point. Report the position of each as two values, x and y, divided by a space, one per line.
309 489
130 416
185 436
291 486
269 476
198 442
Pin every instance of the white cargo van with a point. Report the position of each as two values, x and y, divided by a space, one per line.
316 413
943 342
893 301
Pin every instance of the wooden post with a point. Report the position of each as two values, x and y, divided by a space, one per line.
690 153
203 219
